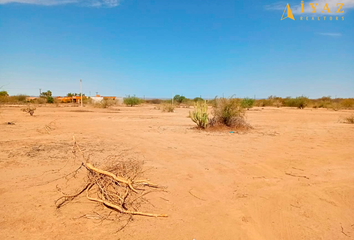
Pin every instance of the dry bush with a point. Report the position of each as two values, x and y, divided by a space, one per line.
17 99
230 113
168 108
349 119
29 110
187 103
105 103
154 101
114 186
347 103
40 100
299 102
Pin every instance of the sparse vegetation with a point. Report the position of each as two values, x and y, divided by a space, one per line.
154 101
229 112
200 114
168 107
132 101
29 110
39 101
299 102
74 94
198 99
50 99
105 103
4 94
247 103
179 99
349 119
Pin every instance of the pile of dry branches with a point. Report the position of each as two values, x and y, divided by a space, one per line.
115 187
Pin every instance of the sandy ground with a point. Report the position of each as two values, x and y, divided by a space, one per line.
291 177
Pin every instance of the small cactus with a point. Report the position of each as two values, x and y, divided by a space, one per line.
200 114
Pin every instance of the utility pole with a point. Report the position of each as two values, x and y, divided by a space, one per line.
81 92
40 92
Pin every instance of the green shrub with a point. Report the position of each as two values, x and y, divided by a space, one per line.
247 103
200 114
299 102
198 99
50 99
179 98
4 94
46 94
132 101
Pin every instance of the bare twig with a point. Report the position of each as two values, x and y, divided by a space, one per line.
293 175
113 186
190 192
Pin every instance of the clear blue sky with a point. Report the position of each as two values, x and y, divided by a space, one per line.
158 48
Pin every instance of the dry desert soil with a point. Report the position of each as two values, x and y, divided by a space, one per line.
291 177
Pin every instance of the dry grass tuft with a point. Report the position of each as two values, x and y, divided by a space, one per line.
168 108
349 119
29 110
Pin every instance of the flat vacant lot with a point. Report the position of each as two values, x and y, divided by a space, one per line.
291 177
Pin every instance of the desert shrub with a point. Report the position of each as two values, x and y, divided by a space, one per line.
200 114
20 98
29 110
212 102
187 103
324 102
4 99
132 101
50 99
154 101
347 103
105 103
4 94
87 100
349 119
46 94
198 99
179 98
278 103
264 102
247 103
39 100
168 107
299 102
228 112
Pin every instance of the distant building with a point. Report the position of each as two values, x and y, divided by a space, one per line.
99 98
73 99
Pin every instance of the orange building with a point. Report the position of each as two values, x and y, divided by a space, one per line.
73 99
